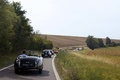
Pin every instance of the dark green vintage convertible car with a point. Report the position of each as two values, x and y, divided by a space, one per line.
27 62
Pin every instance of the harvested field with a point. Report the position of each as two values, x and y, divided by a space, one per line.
67 41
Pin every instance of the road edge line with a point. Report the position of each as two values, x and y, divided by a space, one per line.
6 67
54 69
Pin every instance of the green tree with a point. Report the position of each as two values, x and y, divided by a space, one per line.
22 29
48 44
7 20
36 42
92 43
113 44
101 43
39 43
108 41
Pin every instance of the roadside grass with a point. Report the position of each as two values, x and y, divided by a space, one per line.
108 55
7 59
99 64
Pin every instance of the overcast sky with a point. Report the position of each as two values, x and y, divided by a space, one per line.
99 18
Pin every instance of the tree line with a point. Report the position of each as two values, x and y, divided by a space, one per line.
16 33
94 43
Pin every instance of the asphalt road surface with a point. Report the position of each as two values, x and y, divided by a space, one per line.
47 74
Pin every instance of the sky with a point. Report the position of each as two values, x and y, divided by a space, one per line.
98 18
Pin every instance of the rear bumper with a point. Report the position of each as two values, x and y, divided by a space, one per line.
16 66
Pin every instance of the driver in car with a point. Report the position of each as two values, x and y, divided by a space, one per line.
23 54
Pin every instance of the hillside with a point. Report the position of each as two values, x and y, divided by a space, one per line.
65 41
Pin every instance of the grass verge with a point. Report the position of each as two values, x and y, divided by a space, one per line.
87 66
6 60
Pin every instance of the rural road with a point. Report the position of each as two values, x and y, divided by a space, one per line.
47 74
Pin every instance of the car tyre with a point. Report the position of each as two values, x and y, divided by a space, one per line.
43 55
16 71
40 71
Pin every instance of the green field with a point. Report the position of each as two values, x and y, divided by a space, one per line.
99 64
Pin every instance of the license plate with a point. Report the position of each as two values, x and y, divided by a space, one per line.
25 64
46 55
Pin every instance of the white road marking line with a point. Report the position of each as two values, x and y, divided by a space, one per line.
6 67
54 69
53 65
